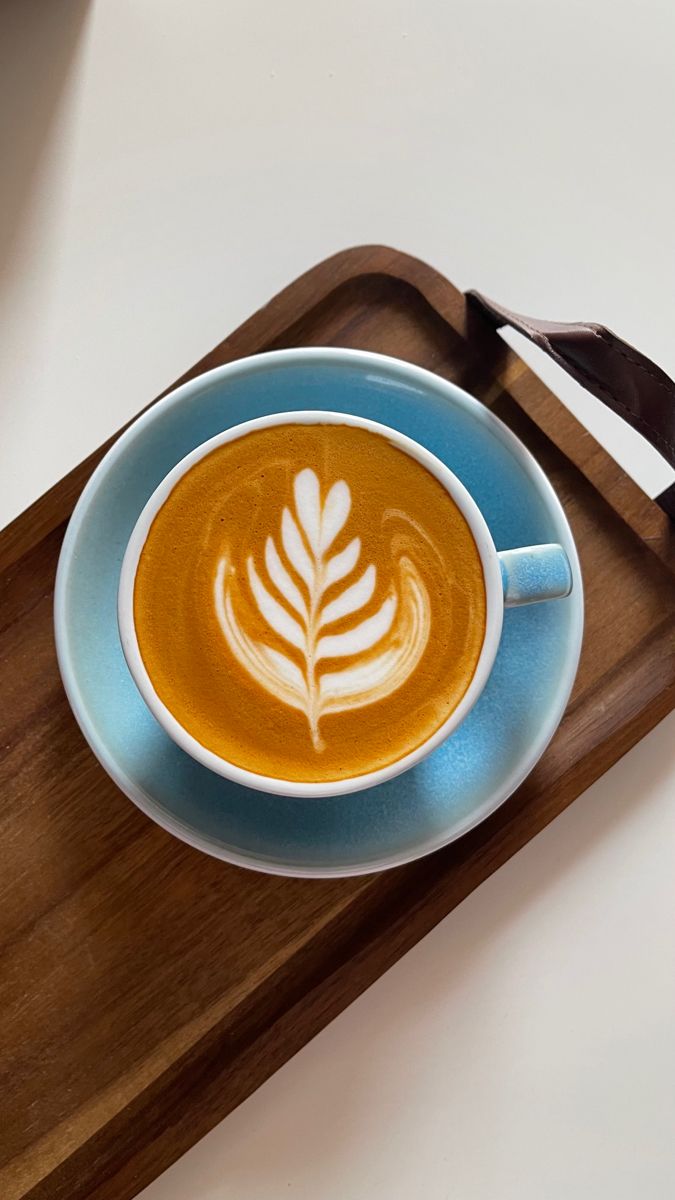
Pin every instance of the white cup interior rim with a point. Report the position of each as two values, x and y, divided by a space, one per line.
239 775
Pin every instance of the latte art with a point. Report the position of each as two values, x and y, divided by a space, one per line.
397 631
309 602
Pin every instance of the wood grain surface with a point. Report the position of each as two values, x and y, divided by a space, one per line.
145 989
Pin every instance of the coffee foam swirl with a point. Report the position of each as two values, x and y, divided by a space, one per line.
309 602
384 647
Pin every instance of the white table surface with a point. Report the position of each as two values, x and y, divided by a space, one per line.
168 167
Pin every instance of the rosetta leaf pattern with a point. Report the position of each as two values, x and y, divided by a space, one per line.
300 570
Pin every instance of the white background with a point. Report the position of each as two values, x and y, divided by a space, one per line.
166 167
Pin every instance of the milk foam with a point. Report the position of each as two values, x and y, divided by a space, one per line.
384 647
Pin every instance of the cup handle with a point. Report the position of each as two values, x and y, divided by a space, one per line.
534 573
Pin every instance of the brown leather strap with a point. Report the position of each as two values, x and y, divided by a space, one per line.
621 376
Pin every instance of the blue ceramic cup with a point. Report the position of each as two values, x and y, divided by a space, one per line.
523 575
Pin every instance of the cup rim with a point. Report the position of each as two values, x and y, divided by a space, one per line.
271 784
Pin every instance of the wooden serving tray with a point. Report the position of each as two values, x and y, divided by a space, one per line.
145 989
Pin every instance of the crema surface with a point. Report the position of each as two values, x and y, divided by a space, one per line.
310 602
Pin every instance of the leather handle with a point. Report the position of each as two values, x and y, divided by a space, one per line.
622 377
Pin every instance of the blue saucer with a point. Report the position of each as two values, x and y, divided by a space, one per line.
449 792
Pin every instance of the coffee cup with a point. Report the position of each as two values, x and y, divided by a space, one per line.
265 673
